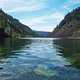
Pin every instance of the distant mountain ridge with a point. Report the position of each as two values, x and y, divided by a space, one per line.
12 27
69 26
42 33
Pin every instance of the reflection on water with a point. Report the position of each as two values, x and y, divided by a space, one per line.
70 50
39 59
7 45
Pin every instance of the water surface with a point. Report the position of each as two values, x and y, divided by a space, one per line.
39 59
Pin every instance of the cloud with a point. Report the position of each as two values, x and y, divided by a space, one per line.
48 16
46 27
28 8
45 18
22 5
45 22
59 16
70 3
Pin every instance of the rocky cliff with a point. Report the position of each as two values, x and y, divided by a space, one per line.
69 26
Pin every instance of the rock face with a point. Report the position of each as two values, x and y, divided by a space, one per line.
12 27
69 26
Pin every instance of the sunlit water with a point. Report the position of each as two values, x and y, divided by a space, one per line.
39 59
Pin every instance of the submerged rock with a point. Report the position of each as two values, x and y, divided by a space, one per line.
44 71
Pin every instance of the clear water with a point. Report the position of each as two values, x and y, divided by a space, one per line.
39 59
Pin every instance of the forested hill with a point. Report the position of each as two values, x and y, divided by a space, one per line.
42 33
69 26
10 27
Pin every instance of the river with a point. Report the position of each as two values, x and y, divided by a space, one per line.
39 59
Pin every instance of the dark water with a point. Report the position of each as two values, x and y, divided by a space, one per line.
39 59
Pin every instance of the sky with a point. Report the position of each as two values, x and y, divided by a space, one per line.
40 15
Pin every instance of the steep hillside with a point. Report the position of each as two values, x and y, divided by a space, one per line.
12 27
69 26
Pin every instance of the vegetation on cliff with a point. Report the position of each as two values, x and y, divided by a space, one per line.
12 27
69 26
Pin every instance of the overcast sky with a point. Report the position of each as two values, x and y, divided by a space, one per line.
41 15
